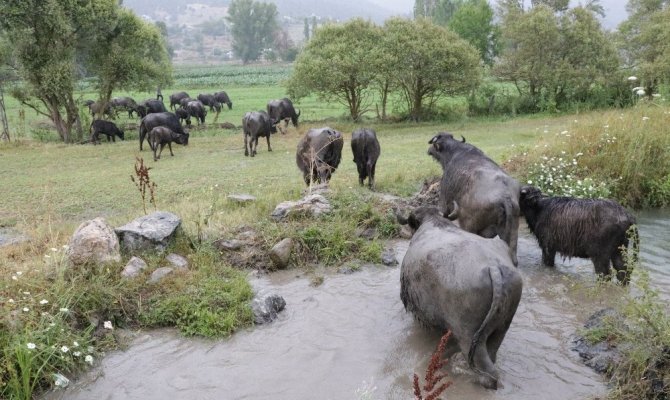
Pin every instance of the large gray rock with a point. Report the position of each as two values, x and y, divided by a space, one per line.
134 267
160 273
150 232
94 242
281 253
266 309
313 205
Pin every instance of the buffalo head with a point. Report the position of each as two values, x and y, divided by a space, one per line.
443 144
529 195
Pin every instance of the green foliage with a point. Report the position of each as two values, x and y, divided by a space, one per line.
562 176
230 75
252 26
473 21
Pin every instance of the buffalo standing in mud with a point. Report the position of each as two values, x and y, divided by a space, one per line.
256 124
283 110
107 128
319 153
166 119
487 198
454 280
586 228
365 146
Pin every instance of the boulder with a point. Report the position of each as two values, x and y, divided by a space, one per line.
134 267
229 244
94 242
388 257
281 253
312 205
177 261
150 232
159 274
266 309
241 198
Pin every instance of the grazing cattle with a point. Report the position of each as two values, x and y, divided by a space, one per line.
150 106
183 116
183 102
125 103
222 98
208 100
175 99
161 136
319 153
96 108
488 198
197 110
365 146
454 280
107 128
584 228
256 124
283 110
166 119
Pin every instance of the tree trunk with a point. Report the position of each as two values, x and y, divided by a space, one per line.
3 116
385 95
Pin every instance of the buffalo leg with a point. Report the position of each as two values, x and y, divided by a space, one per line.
269 148
154 148
170 147
602 266
371 175
548 256
482 364
246 150
622 273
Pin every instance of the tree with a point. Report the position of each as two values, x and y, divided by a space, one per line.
314 25
431 62
473 21
46 36
131 56
305 30
339 64
644 39
253 25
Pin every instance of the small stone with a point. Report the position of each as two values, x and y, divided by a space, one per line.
134 267
177 261
366 233
228 245
265 310
150 232
242 198
389 258
281 253
313 205
159 274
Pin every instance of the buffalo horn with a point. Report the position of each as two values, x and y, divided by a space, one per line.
454 214
462 139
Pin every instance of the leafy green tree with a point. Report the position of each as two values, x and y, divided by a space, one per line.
131 56
46 36
556 5
473 21
253 25
644 39
431 62
444 11
339 64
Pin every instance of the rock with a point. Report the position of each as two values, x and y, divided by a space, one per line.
266 309
406 232
389 258
159 274
151 232
177 261
134 267
10 237
281 253
94 242
366 233
247 235
600 356
313 205
321 188
241 198
228 245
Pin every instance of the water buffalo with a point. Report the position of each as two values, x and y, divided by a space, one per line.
584 228
161 136
365 146
256 124
487 197
175 99
125 103
222 98
454 280
196 109
208 100
183 115
150 106
283 110
319 153
166 119
107 128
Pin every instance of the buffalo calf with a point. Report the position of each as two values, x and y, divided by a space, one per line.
256 124
584 228
319 153
107 128
162 136
365 146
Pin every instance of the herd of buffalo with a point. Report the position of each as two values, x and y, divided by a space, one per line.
455 276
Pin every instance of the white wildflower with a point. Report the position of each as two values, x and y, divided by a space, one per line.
55 250
632 78
44 301
63 309
14 277
19 273
11 300
89 359
31 346
530 182
108 325
65 247
76 353
64 349
26 309
641 92
645 118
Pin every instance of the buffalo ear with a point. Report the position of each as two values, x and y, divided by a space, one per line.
437 146
433 140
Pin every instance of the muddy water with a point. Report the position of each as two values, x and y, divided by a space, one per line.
351 335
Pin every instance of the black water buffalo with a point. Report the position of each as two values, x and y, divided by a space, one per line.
319 153
283 110
487 197
256 124
161 136
222 98
365 146
584 228
166 119
150 106
107 128
197 110
210 101
175 99
125 103
454 280
183 115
